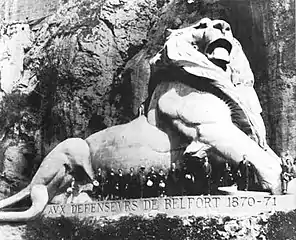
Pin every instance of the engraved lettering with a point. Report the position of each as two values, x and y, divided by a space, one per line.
134 205
107 206
216 201
274 201
175 203
93 207
243 200
199 202
181 200
86 207
113 206
190 200
127 206
120 205
251 201
167 203
147 204
207 202
73 209
100 207
63 209
235 202
55 209
80 208
267 200
50 210
154 204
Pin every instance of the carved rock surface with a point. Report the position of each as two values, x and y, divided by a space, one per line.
86 68
70 76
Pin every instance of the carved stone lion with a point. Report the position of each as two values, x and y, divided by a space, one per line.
202 102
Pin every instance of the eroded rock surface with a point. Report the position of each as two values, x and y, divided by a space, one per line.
86 68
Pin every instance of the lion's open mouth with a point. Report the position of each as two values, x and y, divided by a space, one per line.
219 50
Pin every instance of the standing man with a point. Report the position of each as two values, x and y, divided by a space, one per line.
188 180
227 177
141 181
98 185
131 184
120 184
161 183
151 184
244 168
287 174
207 173
173 181
111 182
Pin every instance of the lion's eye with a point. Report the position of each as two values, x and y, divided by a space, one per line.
218 26
201 26
227 28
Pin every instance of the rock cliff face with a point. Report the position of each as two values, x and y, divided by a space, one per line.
86 67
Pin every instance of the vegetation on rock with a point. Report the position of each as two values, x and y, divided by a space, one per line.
277 226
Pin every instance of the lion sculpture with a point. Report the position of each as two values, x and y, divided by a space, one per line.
202 101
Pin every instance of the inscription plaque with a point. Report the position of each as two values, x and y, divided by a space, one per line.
185 205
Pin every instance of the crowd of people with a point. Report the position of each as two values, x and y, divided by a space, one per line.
195 177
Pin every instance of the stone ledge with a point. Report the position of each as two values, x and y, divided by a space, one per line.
218 205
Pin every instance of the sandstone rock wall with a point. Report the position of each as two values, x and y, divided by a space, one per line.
86 68
26 10
71 75
276 70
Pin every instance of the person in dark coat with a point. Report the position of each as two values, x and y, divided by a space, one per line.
132 185
187 180
151 188
207 174
110 184
174 181
141 176
161 183
98 188
227 176
244 173
120 184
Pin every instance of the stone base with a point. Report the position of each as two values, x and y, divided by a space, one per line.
246 204
232 190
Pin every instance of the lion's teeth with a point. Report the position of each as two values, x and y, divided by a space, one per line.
221 54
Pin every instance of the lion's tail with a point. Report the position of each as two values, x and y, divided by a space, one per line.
39 196
15 198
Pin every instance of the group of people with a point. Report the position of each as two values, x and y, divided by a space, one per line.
117 185
288 170
145 184
112 185
194 177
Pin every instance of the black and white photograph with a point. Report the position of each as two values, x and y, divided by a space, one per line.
147 119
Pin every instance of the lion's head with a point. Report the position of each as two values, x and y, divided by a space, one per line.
207 49
213 38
